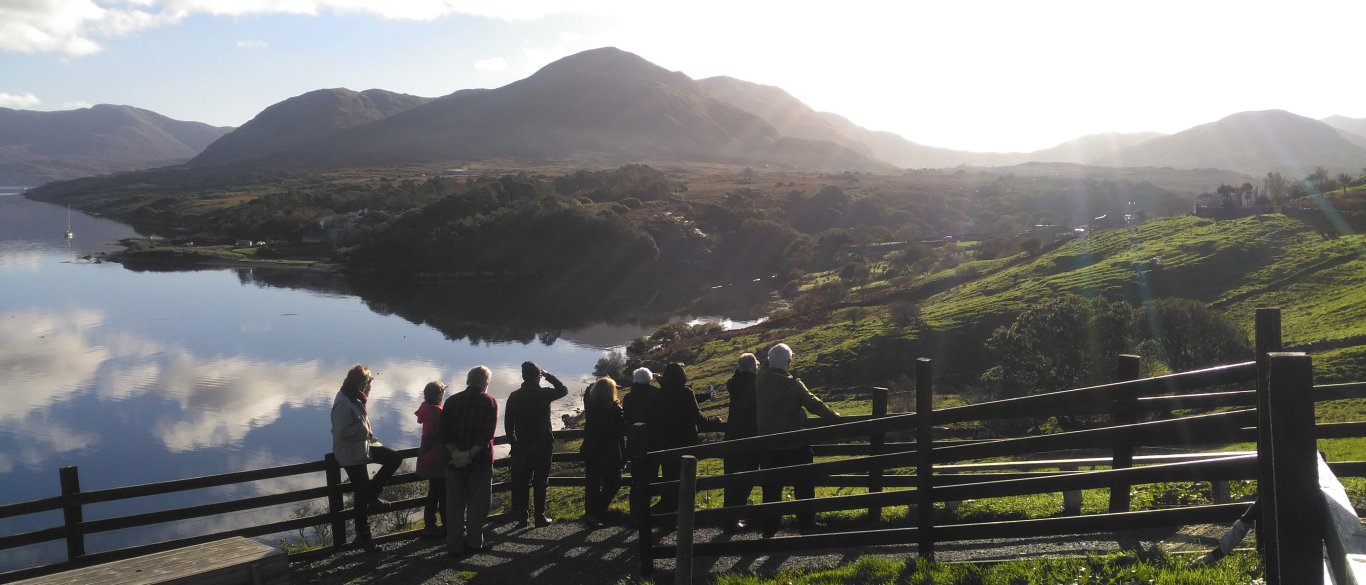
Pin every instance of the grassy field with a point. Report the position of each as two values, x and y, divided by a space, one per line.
1235 266
1113 569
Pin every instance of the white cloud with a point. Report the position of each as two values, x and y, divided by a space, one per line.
46 358
252 44
76 27
76 105
491 64
18 101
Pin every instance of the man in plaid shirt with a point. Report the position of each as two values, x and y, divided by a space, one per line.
468 420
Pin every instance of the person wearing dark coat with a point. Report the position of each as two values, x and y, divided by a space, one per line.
526 422
783 401
636 407
636 402
741 423
672 421
602 449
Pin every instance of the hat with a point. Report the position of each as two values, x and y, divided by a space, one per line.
780 357
642 376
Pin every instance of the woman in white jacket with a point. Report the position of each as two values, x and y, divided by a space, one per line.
355 446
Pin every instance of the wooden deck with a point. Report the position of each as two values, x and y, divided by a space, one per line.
230 561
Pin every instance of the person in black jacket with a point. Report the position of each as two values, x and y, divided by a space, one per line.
526 423
636 402
740 424
602 449
671 422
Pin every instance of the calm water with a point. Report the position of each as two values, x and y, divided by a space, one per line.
139 376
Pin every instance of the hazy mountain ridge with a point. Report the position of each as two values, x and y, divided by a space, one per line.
1353 129
600 103
609 107
792 117
1249 142
305 119
36 147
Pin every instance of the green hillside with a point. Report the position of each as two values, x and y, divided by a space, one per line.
1235 266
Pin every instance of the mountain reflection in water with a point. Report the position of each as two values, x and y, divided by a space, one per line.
146 376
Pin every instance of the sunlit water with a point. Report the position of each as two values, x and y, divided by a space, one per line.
139 377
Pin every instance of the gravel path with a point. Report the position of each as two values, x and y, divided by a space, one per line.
569 553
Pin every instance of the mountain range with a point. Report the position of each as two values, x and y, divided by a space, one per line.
611 107
37 147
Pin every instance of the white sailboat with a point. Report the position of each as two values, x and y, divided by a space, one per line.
69 234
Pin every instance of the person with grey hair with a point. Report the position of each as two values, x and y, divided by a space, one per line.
741 423
636 406
468 421
781 402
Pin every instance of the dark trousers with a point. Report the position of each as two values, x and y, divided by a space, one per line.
367 489
435 502
604 481
738 494
530 468
773 491
668 497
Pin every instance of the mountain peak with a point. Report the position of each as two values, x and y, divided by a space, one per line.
608 62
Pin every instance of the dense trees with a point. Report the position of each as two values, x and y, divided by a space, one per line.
1070 341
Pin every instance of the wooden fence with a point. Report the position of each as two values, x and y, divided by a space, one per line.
75 528
1278 415
874 449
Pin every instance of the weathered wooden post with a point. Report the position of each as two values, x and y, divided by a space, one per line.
72 518
924 469
1268 339
687 504
642 471
335 504
1297 541
1124 412
876 441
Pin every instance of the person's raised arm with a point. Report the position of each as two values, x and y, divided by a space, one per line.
556 393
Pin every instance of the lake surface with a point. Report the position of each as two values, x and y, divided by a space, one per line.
139 376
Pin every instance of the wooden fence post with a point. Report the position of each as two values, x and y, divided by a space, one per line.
335 503
687 505
875 444
1123 413
1297 541
1268 339
642 472
924 469
72 517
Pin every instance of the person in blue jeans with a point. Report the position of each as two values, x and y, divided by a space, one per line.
354 445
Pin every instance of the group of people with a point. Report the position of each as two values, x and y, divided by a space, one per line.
455 455
456 452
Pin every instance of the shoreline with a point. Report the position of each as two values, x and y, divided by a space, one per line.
176 258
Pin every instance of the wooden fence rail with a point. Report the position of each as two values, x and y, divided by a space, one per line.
1281 424
876 452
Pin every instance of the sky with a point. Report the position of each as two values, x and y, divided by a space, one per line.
987 76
